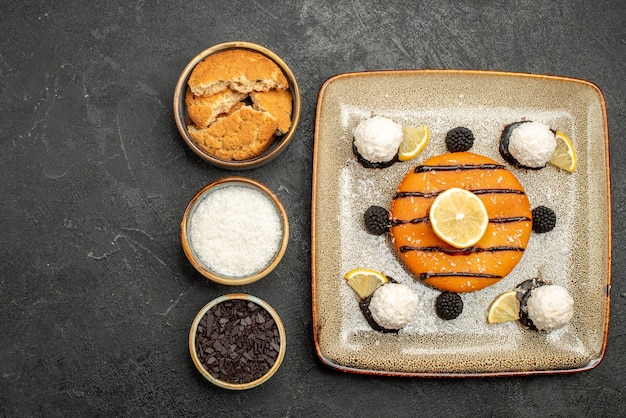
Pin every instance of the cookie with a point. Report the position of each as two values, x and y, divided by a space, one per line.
240 135
239 69
276 102
203 111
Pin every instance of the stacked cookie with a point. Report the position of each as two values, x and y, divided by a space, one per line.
237 103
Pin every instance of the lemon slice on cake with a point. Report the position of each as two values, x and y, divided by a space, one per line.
459 217
505 308
564 155
365 281
414 140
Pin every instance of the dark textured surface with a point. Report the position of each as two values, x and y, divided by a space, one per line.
96 296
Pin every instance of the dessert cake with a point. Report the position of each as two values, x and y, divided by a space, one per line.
439 264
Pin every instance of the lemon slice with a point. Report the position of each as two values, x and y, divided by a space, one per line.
564 155
364 281
505 308
414 140
459 217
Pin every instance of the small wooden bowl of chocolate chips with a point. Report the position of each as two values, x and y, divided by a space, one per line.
237 341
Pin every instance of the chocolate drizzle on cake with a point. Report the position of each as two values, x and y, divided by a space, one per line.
459 251
510 219
457 167
402 195
425 276
398 222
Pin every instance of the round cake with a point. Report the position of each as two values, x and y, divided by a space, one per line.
439 264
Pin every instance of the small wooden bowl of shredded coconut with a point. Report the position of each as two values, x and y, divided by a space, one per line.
234 231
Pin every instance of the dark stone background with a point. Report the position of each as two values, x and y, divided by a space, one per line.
96 296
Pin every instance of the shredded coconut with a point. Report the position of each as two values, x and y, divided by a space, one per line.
393 305
532 144
550 307
235 231
377 139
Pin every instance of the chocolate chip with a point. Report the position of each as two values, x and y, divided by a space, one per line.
237 341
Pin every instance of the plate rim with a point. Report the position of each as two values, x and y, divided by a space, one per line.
594 362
